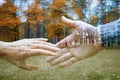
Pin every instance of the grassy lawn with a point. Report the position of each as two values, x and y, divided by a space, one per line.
103 66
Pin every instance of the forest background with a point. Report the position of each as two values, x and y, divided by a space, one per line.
42 18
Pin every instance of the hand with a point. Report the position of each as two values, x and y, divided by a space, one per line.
67 41
17 52
72 54
81 29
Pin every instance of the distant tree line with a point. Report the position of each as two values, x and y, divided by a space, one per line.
43 18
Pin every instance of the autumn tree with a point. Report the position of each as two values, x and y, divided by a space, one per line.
8 22
112 12
78 7
55 27
35 16
110 16
93 20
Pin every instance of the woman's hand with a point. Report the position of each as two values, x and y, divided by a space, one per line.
17 52
72 54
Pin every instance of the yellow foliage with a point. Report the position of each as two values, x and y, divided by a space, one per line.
54 29
79 11
56 9
35 14
7 15
7 34
8 22
50 30
57 4
93 20
56 14
62 36
8 7
108 17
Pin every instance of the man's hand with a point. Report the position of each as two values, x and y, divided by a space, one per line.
88 33
17 52
72 54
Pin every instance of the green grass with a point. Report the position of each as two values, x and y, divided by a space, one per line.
103 66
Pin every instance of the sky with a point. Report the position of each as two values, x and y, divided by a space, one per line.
2 2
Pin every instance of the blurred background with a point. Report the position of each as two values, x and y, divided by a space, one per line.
42 18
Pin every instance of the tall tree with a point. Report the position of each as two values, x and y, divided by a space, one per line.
78 7
55 27
9 22
112 13
93 20
35 16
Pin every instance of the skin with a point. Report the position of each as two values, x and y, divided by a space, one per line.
17 52
81 27
69 55
74 53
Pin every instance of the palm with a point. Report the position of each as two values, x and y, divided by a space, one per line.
72 54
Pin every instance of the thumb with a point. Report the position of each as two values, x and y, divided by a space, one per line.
68 21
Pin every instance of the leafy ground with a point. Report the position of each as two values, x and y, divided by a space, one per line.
103 66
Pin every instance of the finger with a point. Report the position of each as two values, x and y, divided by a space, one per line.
43 42
64 43
61 44
37 39
45 47
35 42
58 43
68 62
51 58
62 52
43 39
47 43
68 21
37 52
62 58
